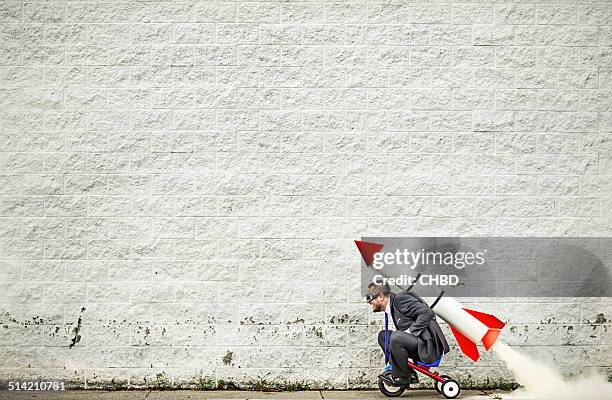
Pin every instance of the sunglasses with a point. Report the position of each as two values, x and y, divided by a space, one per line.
369 297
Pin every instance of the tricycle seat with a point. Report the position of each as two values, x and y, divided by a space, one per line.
433 364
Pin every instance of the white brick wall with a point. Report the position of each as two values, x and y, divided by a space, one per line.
186 178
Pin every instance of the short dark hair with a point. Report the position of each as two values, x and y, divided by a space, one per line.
377 289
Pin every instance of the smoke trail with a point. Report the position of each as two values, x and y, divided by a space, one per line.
542 381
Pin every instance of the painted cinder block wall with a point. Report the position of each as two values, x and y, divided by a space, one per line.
181 182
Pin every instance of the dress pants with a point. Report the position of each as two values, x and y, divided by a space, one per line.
402 346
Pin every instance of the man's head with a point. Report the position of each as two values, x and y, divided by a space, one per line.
378 296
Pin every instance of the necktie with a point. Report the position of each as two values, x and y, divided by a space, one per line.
386 338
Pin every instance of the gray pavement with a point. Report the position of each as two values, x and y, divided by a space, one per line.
238 395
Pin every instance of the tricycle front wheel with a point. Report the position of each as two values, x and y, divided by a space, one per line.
387 389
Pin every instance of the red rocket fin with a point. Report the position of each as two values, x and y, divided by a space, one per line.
492 322
489 320
466 345
490 337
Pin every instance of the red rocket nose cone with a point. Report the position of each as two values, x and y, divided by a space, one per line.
368 250
490 337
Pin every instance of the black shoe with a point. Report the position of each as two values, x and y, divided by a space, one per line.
414 378
396 380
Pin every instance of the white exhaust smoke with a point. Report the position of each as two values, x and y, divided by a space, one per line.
542 381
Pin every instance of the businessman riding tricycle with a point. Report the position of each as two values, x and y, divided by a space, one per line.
416 344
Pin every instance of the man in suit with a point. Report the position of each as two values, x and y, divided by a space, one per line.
417 335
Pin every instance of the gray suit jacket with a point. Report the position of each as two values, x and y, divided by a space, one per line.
409 311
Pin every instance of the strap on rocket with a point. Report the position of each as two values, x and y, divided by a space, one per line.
437 300
416 279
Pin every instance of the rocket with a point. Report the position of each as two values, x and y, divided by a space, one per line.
468 326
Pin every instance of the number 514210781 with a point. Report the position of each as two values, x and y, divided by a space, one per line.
35 385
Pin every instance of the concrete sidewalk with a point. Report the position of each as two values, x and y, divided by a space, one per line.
237 395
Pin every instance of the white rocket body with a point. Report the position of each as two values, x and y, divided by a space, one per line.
468 326
451 311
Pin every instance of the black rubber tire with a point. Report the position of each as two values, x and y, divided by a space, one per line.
450 389
388 390
438 385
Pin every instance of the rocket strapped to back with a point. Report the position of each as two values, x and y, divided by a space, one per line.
468 326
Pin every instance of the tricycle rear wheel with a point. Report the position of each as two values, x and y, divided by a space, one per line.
450 389
438 385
